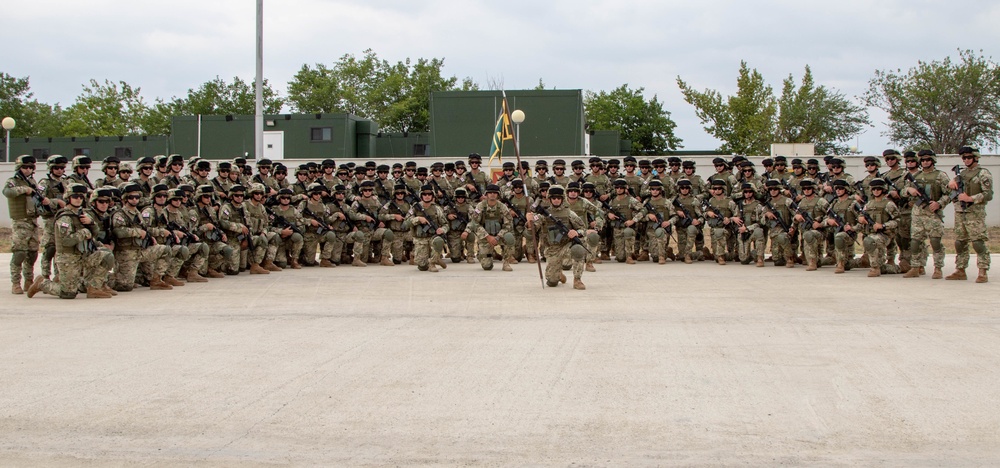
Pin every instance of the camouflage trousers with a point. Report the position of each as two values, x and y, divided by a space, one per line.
876 248
459 248
922 228
97 267
289 247
71 267
199 255
311 242
970 227
240 255
363 241
781 244
400 241
901 240
812 241
220 256
720 242
843 247
624 243
176 258
265 245
756 237
686 242
558 255
427 250
485 251
520 234
24 250
657 240
48 246
152 260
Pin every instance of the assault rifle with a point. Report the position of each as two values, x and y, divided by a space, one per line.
563 229
216 234
841 223
365 211
864 214
924 198
519 219
688 218
281 222
777 216
619 218
961 187
322 228
430 227
37 196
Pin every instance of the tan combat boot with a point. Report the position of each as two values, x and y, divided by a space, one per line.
324 263
108 290
506 266
35 287
629 260
687 259
256 269
760 262
432 268
904 266
982 278
531 257
720 260
923 272
578 284
840 268
513 261
662 260
295 264
790 263
670 253
386 261
270 266
358 263
643 256
590 267
812 265
16 288
874 272
959 274
562 278
912 273
440 262
214 274
172 281
938 274
95 293
194 277
156 284
468 259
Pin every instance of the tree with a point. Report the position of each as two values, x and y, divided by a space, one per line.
397 96
941 105
744 122
108 109
644 122
14 94
817 115
215 97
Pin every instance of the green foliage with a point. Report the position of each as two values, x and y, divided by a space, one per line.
744 122
646 123
215 97
817 115
397 96
941 105
14 95
108 109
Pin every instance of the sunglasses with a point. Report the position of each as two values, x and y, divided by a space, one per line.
969 156
75 195
132 197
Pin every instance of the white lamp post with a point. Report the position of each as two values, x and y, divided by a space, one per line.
8 124
517 117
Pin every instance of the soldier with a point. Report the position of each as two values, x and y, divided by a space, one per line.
209 230
591 216
697 184
895 175
427 223
623 212
393 214
561 227
291 240
541 175
24 206
842 218
688 219
505 179
810 213
872 165
329 177
300 187
154 220
520 204
719 211
929 187
371 230
199 174
145 180
233 221
264 177
600 180
161 167
81 169
877 221
630 177
780 169
491 222
460 244
344 232
264 237
475 180
384 187
973 189
559 176
124 174
450 181
777 208
658 226
52 187
318 231
723 173
182 225
175 167
768 165
750 224
98 265
110 169
674 168
73 243
134 246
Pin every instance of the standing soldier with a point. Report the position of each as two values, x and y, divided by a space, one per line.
110 169
562 227
134 246
929 187
24 206
74 242
475 180
427 223
81 169
751 227
719 211
491 222
52 188
559 176
723 173
877 227
520 205
124 174
896 178
973 188
658 224
623 212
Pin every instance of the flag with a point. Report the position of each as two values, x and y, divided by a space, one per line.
501 133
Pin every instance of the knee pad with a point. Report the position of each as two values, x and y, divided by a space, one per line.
508 239
18 257
50 251
183 253
329 237
437 243
388 236
108 260
628 232
659 233
936 244
980 247
296 237
838 241
227 251
203 249
578 252
869 243
31 256
593 239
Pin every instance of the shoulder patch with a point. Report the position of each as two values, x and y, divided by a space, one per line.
145 214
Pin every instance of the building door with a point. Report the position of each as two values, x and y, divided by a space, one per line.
274 145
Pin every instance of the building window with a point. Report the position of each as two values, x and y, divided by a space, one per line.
81 151
123 152
421 150
40 154
321 134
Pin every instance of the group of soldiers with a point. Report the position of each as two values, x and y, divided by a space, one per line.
162 227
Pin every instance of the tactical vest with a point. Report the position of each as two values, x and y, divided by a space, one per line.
928 181
67 215
20 207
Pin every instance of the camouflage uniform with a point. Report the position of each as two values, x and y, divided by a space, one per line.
720 226
220 255
459 248
658 227
927 224
265 237
428 244
781 239
624 234
844 230
560 249
751 231
197 250
401 238
154 221
73 243
24 217
970 217
690 224
290 246
53 189
815 207
128 254
492 221
882 211
317 233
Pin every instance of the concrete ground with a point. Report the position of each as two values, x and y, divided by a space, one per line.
651 365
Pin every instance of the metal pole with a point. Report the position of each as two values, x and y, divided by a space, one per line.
199 136
259 98
7 154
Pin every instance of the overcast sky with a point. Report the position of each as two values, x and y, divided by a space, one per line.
168 47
